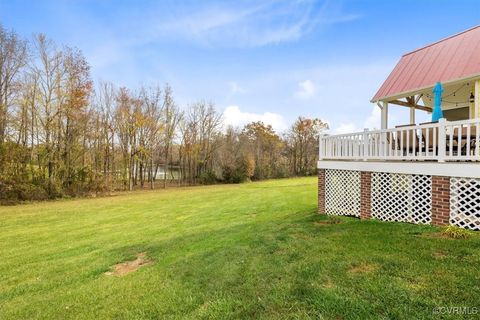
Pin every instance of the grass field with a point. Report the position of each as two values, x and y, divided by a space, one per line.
255 250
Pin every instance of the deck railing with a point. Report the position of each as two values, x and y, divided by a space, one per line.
440 141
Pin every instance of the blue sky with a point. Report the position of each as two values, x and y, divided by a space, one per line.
257 60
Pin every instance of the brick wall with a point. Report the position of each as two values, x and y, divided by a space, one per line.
440 200
321 191
365 195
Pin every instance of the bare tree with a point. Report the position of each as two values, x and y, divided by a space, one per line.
150 131
13 55
172 117
104 101
49 70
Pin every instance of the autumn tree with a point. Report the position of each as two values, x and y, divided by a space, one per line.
266 148
74 119
302 145
200 130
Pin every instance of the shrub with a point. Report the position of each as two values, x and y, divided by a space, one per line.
233 175
12 192
456 232
208 177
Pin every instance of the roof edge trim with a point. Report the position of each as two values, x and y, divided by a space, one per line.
410 92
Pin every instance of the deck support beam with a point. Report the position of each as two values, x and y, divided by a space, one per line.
407 104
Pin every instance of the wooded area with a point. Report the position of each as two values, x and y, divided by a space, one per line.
61 134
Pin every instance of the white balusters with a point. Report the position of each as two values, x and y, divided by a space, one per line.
442 141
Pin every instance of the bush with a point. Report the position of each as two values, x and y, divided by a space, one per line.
208 177
456 232
12 192
233 175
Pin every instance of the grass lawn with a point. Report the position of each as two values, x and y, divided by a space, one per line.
255 250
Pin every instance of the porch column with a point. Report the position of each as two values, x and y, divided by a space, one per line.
476 104
412 115
384 123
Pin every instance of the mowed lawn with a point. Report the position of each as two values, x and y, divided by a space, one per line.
256 250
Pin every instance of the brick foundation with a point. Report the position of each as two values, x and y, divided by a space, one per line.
321 191
365 195
440 200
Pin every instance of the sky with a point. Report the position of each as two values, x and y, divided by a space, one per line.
256 60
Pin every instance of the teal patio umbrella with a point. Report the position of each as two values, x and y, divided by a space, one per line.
437 113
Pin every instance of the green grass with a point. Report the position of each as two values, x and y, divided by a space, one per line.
255 250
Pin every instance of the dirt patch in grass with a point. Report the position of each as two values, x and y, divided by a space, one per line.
329 221
439 255
127 267
363 267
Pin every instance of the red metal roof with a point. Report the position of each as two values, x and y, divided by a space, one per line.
454 58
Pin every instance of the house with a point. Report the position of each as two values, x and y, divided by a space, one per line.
425 173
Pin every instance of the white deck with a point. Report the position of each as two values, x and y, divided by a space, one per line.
444 148
443 141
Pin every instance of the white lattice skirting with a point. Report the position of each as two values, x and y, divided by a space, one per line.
402 197
465 203
342 192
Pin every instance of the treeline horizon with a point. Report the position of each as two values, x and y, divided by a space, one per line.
61 134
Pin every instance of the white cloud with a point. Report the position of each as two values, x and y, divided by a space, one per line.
235 88
342 94
233 116
348 127
271 22
373 120
306 89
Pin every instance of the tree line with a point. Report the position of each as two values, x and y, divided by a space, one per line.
63 135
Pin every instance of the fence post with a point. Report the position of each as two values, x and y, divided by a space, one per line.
442 140
365 144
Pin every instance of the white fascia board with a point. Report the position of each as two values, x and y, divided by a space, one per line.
447 169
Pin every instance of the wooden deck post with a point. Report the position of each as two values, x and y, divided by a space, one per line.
365 145
442 140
